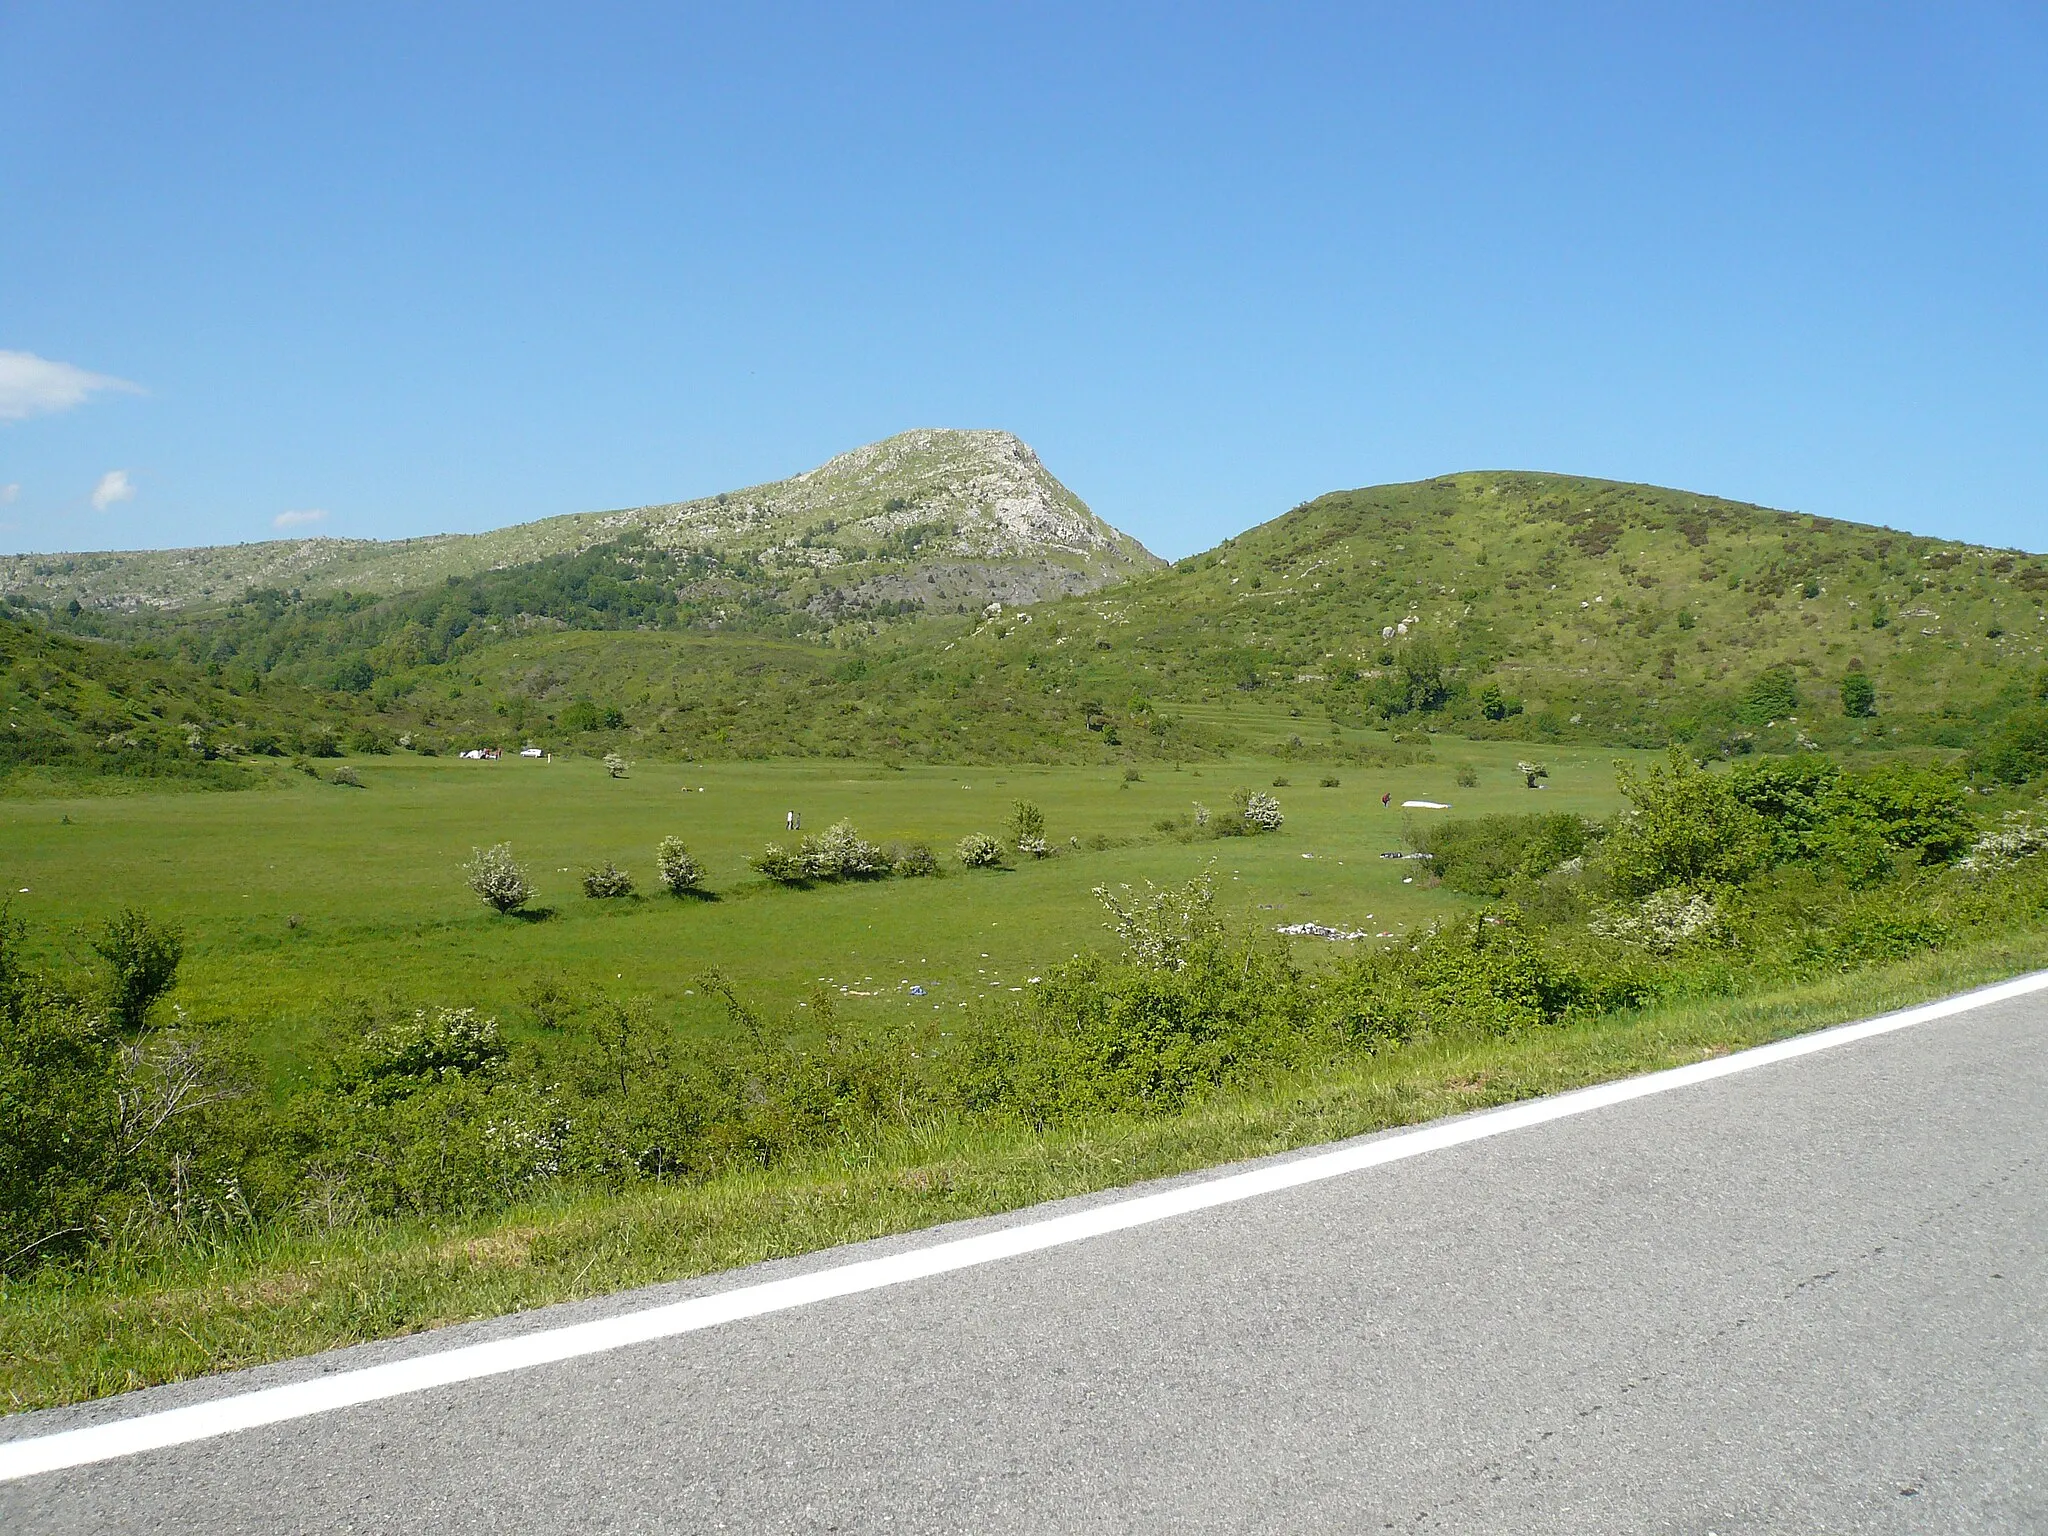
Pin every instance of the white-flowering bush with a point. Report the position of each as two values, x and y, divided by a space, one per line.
606 879
498 879
841 853
1201 814
1259 810
615 765
1162 925
978 850
2017 837
677 871
1666 920
346 775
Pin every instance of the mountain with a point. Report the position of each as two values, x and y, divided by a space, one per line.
945 518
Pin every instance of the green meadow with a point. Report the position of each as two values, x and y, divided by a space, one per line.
300 904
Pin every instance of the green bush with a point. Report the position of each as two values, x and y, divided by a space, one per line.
142 964
606 881
1685 827
1483 855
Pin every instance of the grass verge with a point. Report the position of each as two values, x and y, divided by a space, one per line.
65 1338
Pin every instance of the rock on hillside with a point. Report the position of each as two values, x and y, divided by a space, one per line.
925 516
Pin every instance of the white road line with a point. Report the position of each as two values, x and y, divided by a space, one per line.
344 1389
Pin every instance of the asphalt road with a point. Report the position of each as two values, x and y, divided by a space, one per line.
1809 1298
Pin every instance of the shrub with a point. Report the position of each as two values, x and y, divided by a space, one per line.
676 870
615 765
781 865
347 776
2017 750
142 964
499 881
1531 772
1331 781
2019 836
1665 921
1772 695
606 880
1257 811
1468 776
1859 696
1161 928
841 853
977 850
1027 829
912 860
1683 827
1482 855
1920 811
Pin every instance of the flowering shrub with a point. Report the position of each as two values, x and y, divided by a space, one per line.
978 850
2018 837
1666 920
498 879
1259 810
841 853
348 776
615 765
606 879
1160 927
674 867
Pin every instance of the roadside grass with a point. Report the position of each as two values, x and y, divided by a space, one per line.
66 1337
300 902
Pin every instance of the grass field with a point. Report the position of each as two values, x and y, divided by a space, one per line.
295 900
67 1336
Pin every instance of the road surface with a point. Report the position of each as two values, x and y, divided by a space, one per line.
1810 1297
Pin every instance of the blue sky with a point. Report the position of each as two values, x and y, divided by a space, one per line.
417 268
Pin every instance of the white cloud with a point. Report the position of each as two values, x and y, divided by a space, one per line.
8 493
35 386
299 519
114 486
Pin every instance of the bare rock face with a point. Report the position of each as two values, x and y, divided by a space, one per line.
931 516
978 496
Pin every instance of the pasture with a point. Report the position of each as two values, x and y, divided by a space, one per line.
303 904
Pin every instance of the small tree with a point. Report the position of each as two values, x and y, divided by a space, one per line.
1859 696
615 765
1531 772
978 850
1027 830
677 871
605 880
498 879
142 964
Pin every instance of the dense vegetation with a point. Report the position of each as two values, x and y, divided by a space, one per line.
137 1130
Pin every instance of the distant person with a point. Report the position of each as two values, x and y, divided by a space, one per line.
1386 799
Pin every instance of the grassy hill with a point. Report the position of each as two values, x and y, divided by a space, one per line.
1591 610
79 714
1508 605
927 517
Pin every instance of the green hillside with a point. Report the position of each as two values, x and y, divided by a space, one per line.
80 714
1519 606
1591 610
